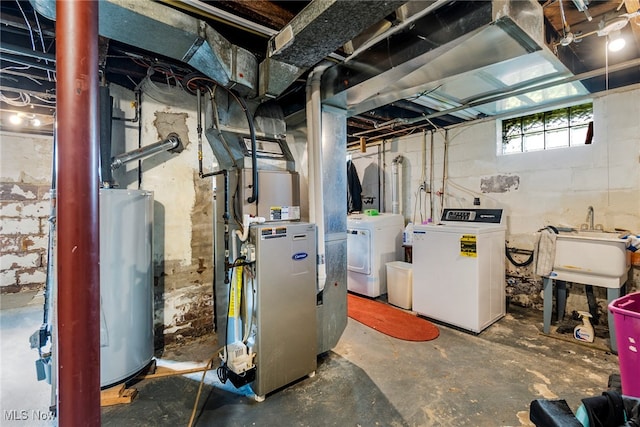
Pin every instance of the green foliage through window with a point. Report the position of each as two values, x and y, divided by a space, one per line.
563 127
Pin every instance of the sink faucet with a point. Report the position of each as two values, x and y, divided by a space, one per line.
590 216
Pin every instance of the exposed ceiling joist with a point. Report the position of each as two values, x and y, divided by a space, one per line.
254 25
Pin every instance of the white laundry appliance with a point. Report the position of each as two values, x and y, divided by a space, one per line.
459 268
372 242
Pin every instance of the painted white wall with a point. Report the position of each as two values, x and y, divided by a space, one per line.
555 186
25 158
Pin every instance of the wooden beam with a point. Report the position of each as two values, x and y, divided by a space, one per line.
162 371
578 20
267 13
632 6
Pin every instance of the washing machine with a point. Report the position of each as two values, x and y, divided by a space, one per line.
459 268
372 242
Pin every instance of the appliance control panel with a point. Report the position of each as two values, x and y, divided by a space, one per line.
489 216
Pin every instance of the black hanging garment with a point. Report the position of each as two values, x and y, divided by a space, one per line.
354 189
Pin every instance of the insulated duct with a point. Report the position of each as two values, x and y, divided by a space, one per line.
313 34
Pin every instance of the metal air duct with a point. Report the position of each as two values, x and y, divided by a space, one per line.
317 31
160 29
460 51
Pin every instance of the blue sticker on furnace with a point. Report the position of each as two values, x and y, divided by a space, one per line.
299 256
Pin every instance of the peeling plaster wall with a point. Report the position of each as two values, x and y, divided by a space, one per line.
183 212
25 176
552 187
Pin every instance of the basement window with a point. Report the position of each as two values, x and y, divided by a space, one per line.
559 128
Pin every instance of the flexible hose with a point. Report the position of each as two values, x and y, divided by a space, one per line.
516 263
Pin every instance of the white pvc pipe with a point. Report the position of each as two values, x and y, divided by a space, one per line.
247 220
396 175
314 148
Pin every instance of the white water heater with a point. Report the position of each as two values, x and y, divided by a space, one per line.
126 283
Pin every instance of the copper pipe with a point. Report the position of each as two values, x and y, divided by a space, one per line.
78 214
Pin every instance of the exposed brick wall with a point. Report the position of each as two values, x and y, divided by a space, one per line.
24 231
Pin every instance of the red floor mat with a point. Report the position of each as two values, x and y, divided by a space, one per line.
390 320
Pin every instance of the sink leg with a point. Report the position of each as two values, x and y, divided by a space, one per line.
548 304
612 294
561 298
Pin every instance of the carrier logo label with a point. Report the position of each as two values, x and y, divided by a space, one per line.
299 256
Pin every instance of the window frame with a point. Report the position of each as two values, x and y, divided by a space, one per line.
536 124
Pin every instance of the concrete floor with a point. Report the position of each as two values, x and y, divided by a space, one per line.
369 379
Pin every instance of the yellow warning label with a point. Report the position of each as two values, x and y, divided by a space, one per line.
235 294
468 245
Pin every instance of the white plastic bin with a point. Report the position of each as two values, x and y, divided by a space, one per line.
399 284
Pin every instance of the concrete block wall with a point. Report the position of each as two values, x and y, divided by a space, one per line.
25 207
552 187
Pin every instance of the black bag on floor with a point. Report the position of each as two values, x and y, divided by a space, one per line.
606 410
552 413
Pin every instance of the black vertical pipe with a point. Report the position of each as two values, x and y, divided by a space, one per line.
78 214
106 112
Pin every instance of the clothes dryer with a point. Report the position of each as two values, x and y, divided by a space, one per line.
372 242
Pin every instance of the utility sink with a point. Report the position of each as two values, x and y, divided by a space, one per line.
591 257
596 257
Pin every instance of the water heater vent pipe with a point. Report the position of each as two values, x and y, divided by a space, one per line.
172 143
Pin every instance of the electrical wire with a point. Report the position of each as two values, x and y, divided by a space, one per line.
47 101
424 93
9 69
22 100
41 41
33 44
222 369
250 319
222 373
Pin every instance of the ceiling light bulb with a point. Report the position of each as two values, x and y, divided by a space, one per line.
616 42
567 39
36 123
15 119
